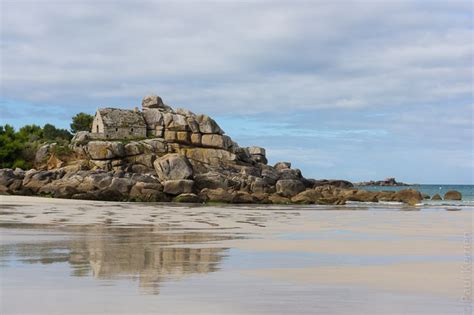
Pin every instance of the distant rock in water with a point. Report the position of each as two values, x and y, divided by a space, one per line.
166 154
436 197
386 182
453 195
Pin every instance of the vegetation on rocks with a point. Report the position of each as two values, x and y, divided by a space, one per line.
81 122
18 148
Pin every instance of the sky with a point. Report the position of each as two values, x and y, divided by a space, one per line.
354 90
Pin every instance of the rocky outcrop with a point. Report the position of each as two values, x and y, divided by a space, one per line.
386 182
186 158
332 182
436 197
453 195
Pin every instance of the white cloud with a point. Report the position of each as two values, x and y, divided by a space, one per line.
237 56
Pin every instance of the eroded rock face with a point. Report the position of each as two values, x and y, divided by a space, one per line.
172 167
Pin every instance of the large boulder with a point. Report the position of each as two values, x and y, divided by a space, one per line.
410 196
121 185
289 187
256 151
43 154
35 180
216 141
260 185
244 197
453 195
11 181
257 154
436 197
185 112
211 180
209 156
154 101
192 124
208 125
270 174
105 150
309 196
362 195
153 118
178 186
173 166
158 146
176 123
133 148
147 191
217 195
81 137
290 174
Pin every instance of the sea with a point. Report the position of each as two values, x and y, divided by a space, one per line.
467 192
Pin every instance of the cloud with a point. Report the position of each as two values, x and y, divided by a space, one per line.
238 56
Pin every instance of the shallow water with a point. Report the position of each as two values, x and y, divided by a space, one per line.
231 260
467 192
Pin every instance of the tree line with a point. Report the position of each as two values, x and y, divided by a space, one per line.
18 147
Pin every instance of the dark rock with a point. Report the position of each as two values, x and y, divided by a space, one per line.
217 195
277 199
244 197
188 198
410 196
290 174
436 197
453 195
386 182
289 187
211 180
332 182
178 186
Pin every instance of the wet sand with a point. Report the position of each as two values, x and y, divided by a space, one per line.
67 256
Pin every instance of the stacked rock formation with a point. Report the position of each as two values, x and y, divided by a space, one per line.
186 158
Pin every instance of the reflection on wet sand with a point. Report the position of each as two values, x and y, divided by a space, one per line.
145 254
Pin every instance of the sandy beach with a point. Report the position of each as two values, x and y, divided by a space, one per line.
146 257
